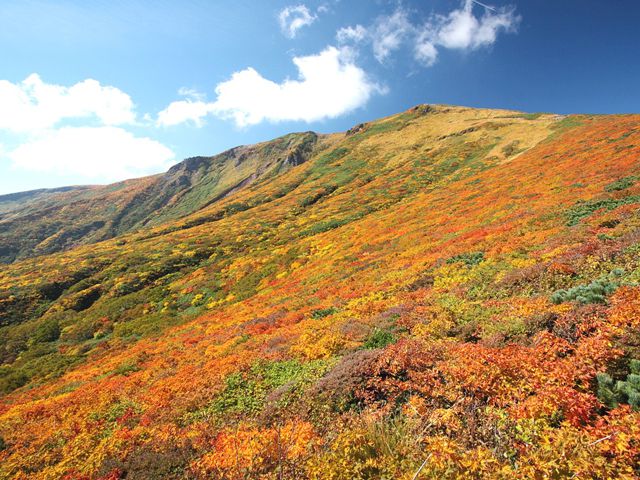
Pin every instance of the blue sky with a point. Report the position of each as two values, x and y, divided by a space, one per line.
98 91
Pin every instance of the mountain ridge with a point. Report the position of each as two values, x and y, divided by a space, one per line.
39 232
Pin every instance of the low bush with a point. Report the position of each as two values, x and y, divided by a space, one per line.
47 331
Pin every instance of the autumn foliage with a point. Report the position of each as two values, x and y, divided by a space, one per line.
414 301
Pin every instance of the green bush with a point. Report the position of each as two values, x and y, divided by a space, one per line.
595 292
613 393
11 380
327 225
314 198
322 227
114 414
83 299
127 368
470 259
323 312
379 339
236 208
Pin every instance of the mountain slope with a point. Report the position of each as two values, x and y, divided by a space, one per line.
48 221
448 287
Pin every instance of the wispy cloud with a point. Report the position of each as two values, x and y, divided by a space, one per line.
388 33
460 29
424 49
330 84
293 18
354 34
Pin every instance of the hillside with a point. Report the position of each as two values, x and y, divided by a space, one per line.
444 293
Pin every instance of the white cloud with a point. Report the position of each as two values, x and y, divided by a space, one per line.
293 18
75 130
461 29
32 104
193 109
348 34
329 85
184 111
388 34
102 154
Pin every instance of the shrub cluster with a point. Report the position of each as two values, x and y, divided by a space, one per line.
594 292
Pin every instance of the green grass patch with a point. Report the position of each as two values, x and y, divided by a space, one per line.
470 258
530 116
247 392
621 184
379 338
323 312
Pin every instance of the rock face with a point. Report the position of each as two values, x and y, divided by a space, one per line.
423 109
361 127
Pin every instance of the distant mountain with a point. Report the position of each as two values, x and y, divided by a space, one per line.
47 221
445 293
17 201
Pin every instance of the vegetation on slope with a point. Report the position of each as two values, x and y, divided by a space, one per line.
419 299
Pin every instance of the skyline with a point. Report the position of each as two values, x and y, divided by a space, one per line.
123 89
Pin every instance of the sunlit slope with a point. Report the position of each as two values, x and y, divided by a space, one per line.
433 270
44 222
